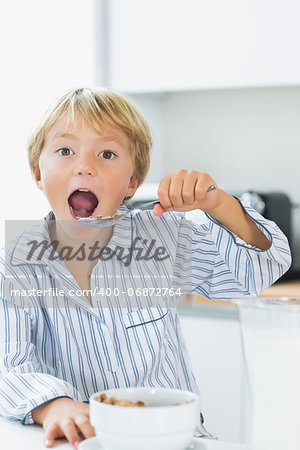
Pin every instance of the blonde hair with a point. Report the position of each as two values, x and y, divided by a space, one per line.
96 106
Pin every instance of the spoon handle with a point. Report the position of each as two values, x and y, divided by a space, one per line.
142 205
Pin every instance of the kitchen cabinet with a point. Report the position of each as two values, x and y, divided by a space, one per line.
196 44
215 349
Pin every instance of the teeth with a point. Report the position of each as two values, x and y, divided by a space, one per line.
83 190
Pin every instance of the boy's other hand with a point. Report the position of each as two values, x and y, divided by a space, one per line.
64 417
186 190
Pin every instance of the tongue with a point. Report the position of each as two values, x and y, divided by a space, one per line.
83 203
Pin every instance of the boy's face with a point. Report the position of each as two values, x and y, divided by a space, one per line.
78 158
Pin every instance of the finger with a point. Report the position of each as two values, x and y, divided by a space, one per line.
175 189
163 192
188 188
70 431
158 210
84 425
51 433
202 185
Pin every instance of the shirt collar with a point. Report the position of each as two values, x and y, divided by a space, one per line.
20 253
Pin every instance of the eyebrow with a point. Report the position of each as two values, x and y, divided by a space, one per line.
58 135
72 136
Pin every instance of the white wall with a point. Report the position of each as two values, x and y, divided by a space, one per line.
245 138
152 108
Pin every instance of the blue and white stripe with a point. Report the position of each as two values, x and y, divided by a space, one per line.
54 346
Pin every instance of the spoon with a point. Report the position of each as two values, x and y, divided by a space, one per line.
107 221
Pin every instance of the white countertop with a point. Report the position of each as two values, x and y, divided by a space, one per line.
15 436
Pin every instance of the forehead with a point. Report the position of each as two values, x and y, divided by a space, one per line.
66 127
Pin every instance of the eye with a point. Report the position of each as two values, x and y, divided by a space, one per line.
107 154
65 151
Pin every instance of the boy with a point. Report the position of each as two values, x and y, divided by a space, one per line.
88 156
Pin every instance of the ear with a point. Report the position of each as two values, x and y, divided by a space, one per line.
132 187
37 178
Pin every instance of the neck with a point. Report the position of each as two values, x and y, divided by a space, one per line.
85 267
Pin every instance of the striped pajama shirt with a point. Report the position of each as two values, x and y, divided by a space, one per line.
56 343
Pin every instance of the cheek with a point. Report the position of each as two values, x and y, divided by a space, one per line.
51 178
50 190
122 174
46 167
51 171
115 189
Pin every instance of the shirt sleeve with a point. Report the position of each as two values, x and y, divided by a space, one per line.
213 262
23 386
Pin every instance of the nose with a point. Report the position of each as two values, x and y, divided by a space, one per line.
85 165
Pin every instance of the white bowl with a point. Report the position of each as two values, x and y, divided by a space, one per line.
160 425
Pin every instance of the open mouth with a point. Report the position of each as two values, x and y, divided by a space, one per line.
82 203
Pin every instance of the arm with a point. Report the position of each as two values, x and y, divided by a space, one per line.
237 254
28 394
231 215
214 262
23 384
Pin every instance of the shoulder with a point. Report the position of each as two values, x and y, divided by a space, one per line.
16 250
6 253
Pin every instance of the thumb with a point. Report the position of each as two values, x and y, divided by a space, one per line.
158 210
